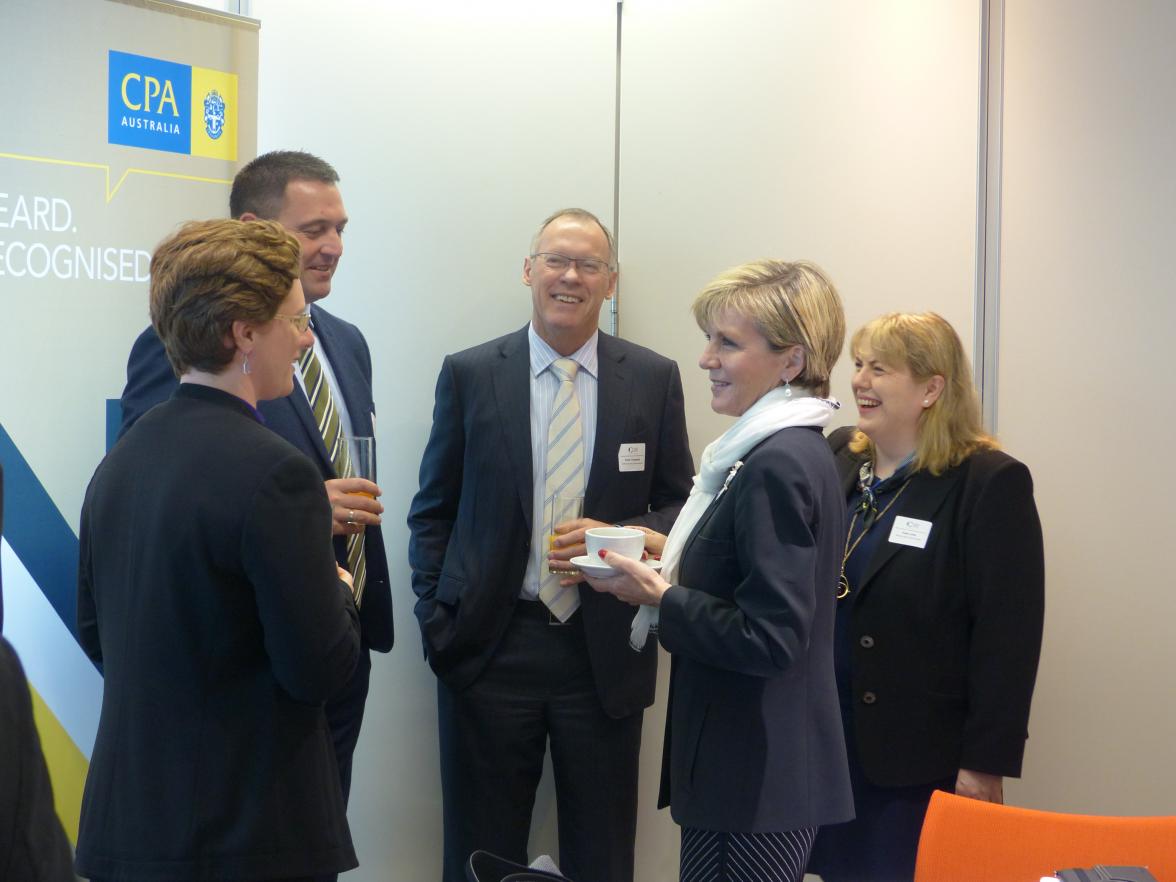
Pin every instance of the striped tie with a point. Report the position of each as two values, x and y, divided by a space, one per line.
318 390
565 475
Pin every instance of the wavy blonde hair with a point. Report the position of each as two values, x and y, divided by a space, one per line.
926 345
792 304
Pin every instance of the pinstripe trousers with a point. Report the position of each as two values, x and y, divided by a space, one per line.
708 856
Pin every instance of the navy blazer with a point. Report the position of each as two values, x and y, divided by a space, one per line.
470 521
946 638
150 381
754 742
207 593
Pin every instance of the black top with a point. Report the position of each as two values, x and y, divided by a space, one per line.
207 589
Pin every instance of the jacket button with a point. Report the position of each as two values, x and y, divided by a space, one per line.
867 642
869 698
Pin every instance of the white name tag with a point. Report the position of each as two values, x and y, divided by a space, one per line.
631 458
910 531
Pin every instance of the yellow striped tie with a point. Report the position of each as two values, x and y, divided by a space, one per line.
322 404
565 475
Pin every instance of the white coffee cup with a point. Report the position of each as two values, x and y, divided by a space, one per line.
623 540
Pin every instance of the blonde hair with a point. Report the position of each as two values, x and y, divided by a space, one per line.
926 345
792 304
210 274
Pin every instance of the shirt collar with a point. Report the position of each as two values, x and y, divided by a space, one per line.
542 355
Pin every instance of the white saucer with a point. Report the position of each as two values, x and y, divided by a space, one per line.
598 569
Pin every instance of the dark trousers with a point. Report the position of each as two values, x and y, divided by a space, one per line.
880 844
344 717
493 737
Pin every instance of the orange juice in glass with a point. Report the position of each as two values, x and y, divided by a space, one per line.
362 450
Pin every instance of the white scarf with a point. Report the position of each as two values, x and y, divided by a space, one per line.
720 461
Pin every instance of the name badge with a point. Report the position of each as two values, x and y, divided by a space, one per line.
910 531
631 458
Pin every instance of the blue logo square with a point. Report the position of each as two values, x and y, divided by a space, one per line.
149 103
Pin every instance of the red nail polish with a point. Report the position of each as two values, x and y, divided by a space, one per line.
601 553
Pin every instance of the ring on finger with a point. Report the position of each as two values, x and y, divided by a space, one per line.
351 516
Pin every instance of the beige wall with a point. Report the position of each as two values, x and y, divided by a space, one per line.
1085 388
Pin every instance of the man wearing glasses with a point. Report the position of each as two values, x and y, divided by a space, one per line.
523 655
332 401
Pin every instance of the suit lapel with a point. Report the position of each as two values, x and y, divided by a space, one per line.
614 398
922 499
512 393
303 415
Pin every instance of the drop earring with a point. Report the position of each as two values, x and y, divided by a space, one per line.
787 391
245 369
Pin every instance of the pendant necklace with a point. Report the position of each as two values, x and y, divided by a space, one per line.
867 523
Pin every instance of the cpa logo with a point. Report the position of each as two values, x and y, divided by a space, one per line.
158 104
138 93
214 114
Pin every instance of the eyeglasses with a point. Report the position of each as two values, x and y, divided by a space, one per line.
586 266
301 321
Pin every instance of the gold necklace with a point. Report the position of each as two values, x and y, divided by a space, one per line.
842 582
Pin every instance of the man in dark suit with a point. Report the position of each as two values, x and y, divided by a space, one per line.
522 656
300 191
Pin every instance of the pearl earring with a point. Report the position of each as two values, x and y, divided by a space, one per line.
787 390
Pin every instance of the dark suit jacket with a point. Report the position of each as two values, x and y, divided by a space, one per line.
754 741
207 593
33 847
150 380
470 521
947 637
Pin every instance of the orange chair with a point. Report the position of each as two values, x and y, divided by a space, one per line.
965 840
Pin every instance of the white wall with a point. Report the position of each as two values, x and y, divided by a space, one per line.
844 132
841 132
456 127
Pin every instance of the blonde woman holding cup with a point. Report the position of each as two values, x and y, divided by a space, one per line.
754 757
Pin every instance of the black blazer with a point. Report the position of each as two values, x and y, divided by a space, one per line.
470 521
946 638
150 380
208 595
33 847
753 740
32 844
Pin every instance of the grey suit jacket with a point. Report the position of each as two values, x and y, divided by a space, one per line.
470 521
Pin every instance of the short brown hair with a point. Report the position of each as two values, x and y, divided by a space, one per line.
212 273
260 187
926 345
792 304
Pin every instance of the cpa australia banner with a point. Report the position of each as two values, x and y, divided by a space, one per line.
121 119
